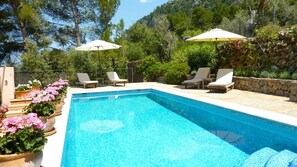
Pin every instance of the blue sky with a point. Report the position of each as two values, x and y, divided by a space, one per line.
132 10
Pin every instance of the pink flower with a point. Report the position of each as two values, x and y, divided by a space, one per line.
32 120
52 90
3 108
13 124
16 123
42 96
36 100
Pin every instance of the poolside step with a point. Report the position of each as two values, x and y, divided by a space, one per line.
259 158
20 101
14 107
12 113
18 104
281 159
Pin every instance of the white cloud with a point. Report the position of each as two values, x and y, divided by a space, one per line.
145 1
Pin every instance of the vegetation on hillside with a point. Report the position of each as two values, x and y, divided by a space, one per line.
40 35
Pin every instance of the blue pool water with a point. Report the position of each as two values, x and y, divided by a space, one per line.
153 128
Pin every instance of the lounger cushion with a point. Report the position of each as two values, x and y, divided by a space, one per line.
192 81
90 82
213 84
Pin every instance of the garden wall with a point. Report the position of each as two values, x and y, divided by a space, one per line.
279 87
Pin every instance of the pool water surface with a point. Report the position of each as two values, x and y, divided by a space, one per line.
153 128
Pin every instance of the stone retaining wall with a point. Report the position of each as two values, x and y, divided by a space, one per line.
279 87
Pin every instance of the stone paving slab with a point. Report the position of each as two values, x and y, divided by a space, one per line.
272 103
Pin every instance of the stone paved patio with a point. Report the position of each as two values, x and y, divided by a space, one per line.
251 99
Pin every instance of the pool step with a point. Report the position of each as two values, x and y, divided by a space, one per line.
281 159
259 158
293 163
267 157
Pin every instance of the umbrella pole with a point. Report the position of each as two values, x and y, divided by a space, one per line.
216 67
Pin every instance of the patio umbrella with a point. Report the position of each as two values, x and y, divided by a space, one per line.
97 45
216 35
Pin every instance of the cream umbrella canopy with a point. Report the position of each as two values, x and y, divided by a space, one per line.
97 45
217 35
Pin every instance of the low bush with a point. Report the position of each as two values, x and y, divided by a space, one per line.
294 75
176 73
153 72
285 75
151 68
267 74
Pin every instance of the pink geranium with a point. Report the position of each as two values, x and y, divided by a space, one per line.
41 96
52 90
60 84
15 123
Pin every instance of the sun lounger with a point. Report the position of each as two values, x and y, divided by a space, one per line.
84 80
114 78
201 74
223 80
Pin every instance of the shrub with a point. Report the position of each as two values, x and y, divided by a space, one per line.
240 73
285 75
294 75
267 74
176 73
151 68
272 75
153 72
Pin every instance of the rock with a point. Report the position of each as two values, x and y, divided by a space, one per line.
279 92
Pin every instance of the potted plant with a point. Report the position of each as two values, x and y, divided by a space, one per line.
61 86
59 90
43 106
22 91
35 84
58 102
3 111
21 141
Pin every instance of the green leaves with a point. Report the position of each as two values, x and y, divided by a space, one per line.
176 73
42 109
27 139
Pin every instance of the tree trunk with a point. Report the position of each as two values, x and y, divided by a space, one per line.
76 22
24 33
15 5
261 12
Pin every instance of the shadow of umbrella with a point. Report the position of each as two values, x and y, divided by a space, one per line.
97 45
216 35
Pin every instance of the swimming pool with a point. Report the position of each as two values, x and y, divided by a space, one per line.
154 128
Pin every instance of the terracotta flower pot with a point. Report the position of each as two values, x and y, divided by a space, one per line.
35 88
22 94
27 159
50 123
58 107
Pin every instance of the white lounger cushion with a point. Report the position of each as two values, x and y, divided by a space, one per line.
223 80
114 78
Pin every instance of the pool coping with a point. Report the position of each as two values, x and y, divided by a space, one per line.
52 153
